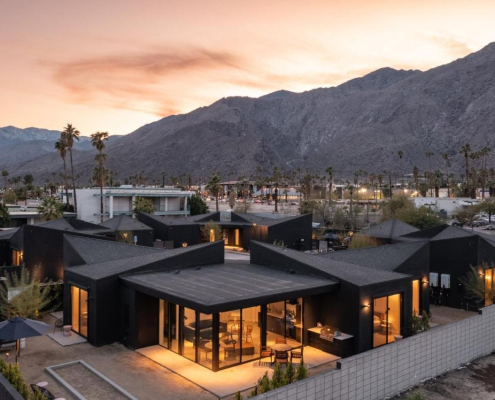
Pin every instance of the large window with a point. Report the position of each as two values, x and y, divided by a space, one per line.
386 319
79 310
284 321
230 338
416 292
205 345
189 334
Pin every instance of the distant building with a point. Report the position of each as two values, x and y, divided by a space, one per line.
446 205
119 200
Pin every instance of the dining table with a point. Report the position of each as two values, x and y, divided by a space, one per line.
281 347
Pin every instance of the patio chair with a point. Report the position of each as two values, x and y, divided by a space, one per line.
280 341
235 329
45 392
249 333
282 357
203 348
266 351
59 323
295 354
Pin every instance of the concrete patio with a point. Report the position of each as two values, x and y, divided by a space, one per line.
231 380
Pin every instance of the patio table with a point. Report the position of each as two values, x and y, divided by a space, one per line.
281 347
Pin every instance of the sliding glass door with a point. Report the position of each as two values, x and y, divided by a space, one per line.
386 319
79 310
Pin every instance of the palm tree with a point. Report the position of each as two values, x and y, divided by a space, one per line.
213 186
446 157
61 147
484 153
428 155
70 133
98 140
416 177
5 174
350 188
465 150
401 154
379 178
330 172
50 209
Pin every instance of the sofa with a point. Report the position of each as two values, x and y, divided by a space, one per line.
205 330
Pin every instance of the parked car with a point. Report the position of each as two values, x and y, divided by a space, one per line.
293 203
490 228
258 201
454 222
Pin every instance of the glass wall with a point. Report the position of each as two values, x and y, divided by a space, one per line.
205 356
251 333
489 287
416 292
386 319
174 328
164 324
284 322
189 334
230 338
79 310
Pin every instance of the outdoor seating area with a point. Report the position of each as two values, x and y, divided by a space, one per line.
236 378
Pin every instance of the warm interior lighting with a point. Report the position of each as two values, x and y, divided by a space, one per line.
363 190
254 223
125 235
366 305
184 244
425 281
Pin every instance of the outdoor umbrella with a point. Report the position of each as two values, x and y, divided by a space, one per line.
18 328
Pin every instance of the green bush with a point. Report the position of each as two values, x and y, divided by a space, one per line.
277 377
302 372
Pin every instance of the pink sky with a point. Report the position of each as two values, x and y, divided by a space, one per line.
116 65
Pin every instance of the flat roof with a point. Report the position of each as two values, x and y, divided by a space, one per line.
223 287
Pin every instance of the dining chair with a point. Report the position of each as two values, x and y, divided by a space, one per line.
280 341
282 357
249 333
266 351
295 354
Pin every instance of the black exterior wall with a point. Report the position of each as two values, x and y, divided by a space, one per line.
43 251
5 253
144 237
295 233
178 233
108 299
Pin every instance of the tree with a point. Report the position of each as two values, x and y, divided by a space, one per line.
466 215
211 232
400 153
61 147
488 207
330 173
98 140
428 155
421 217
243 207
446 157
197 205
277 377
9 197
302 372
213 186
390 209
5 174
28 179
142 204
238 396
4 216
276 180
416 178
50 209
70 133
290 373
23 296
475 288
465 150
484 154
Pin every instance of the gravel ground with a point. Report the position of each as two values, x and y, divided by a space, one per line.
474 381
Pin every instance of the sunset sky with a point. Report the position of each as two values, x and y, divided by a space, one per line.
116 65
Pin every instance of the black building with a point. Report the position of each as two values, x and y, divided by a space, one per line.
295 232
218 313
124 225
387 231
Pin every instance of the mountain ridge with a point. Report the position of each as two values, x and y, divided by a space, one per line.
360 124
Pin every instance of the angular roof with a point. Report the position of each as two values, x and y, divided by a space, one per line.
452 232
389 229
425 233
74 225
261 220
103 269
171 220
7 233
229 286
93 251
387 257
336 269
125 223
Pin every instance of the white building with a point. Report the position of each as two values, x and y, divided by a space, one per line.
119 200
449 205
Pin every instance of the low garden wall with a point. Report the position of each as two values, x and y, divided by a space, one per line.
391 369
7 391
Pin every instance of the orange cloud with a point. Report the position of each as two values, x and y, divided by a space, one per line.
453 46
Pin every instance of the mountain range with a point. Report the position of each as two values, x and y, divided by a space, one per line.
360 124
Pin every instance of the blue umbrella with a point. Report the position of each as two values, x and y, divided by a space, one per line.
18 328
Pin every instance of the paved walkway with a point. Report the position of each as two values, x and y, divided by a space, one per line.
135 373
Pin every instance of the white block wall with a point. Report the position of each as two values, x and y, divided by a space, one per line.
388 370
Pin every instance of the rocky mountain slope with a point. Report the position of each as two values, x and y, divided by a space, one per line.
361 124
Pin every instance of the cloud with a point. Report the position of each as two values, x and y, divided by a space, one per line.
170 81
453 46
